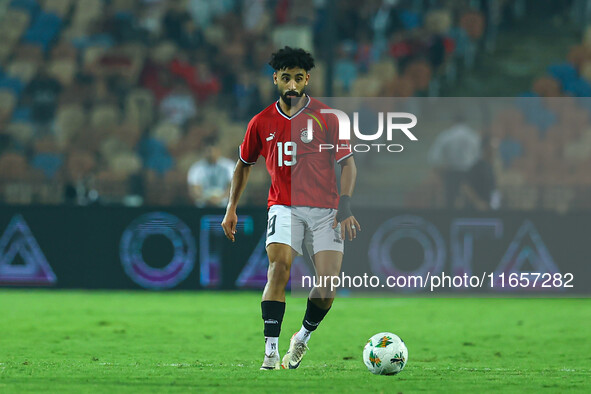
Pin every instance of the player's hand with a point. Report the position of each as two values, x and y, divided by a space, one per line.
350 226
229 224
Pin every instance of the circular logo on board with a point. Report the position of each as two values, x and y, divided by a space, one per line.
179 235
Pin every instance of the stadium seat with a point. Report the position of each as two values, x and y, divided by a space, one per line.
22 114
215 35
438 21
104 117
46 144
15 85
346 73
160 189
91 56
186 160
420 73
411 20
69 121
48 163
565 73
15 21
402 86
58 7
557 197
5 51
125 163
473 23
159 162
112 146
587 36
8 101
31 6
44 29
521 197
509 150
366 86
13 166
384 70
64 70
123 5
86 12
462 44
20 132
167 133
31 52
163 52
11 32
64 50
578 55
79 163
128 133
535 112
192 141
23 70
577 87
547 87
112 185
139 107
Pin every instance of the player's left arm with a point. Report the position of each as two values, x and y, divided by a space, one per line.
349 225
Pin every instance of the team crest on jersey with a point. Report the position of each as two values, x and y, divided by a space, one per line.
306 135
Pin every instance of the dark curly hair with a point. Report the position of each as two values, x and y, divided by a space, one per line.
291 57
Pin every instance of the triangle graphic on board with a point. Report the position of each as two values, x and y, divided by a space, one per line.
18 242
527 251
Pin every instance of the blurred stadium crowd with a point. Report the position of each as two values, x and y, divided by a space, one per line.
112 101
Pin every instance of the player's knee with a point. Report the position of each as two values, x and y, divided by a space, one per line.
279 271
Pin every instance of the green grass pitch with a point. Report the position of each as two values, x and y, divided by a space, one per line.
79 341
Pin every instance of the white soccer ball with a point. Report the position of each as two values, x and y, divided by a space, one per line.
385 354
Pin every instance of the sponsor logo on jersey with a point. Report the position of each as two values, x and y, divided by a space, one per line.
271 136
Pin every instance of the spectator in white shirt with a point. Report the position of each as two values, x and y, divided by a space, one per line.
209 179
453 153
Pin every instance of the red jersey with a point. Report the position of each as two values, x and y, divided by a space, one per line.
302 174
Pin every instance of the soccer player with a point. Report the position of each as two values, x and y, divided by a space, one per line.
304 204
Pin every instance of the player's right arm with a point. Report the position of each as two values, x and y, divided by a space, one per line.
249 152
239 180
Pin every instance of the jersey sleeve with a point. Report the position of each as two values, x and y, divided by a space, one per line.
250 149
343 148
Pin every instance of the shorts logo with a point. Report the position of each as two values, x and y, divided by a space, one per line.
337 234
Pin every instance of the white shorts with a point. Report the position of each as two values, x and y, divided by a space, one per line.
309 226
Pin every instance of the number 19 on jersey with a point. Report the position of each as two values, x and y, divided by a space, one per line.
285 151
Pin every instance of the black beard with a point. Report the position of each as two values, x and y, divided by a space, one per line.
292 99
